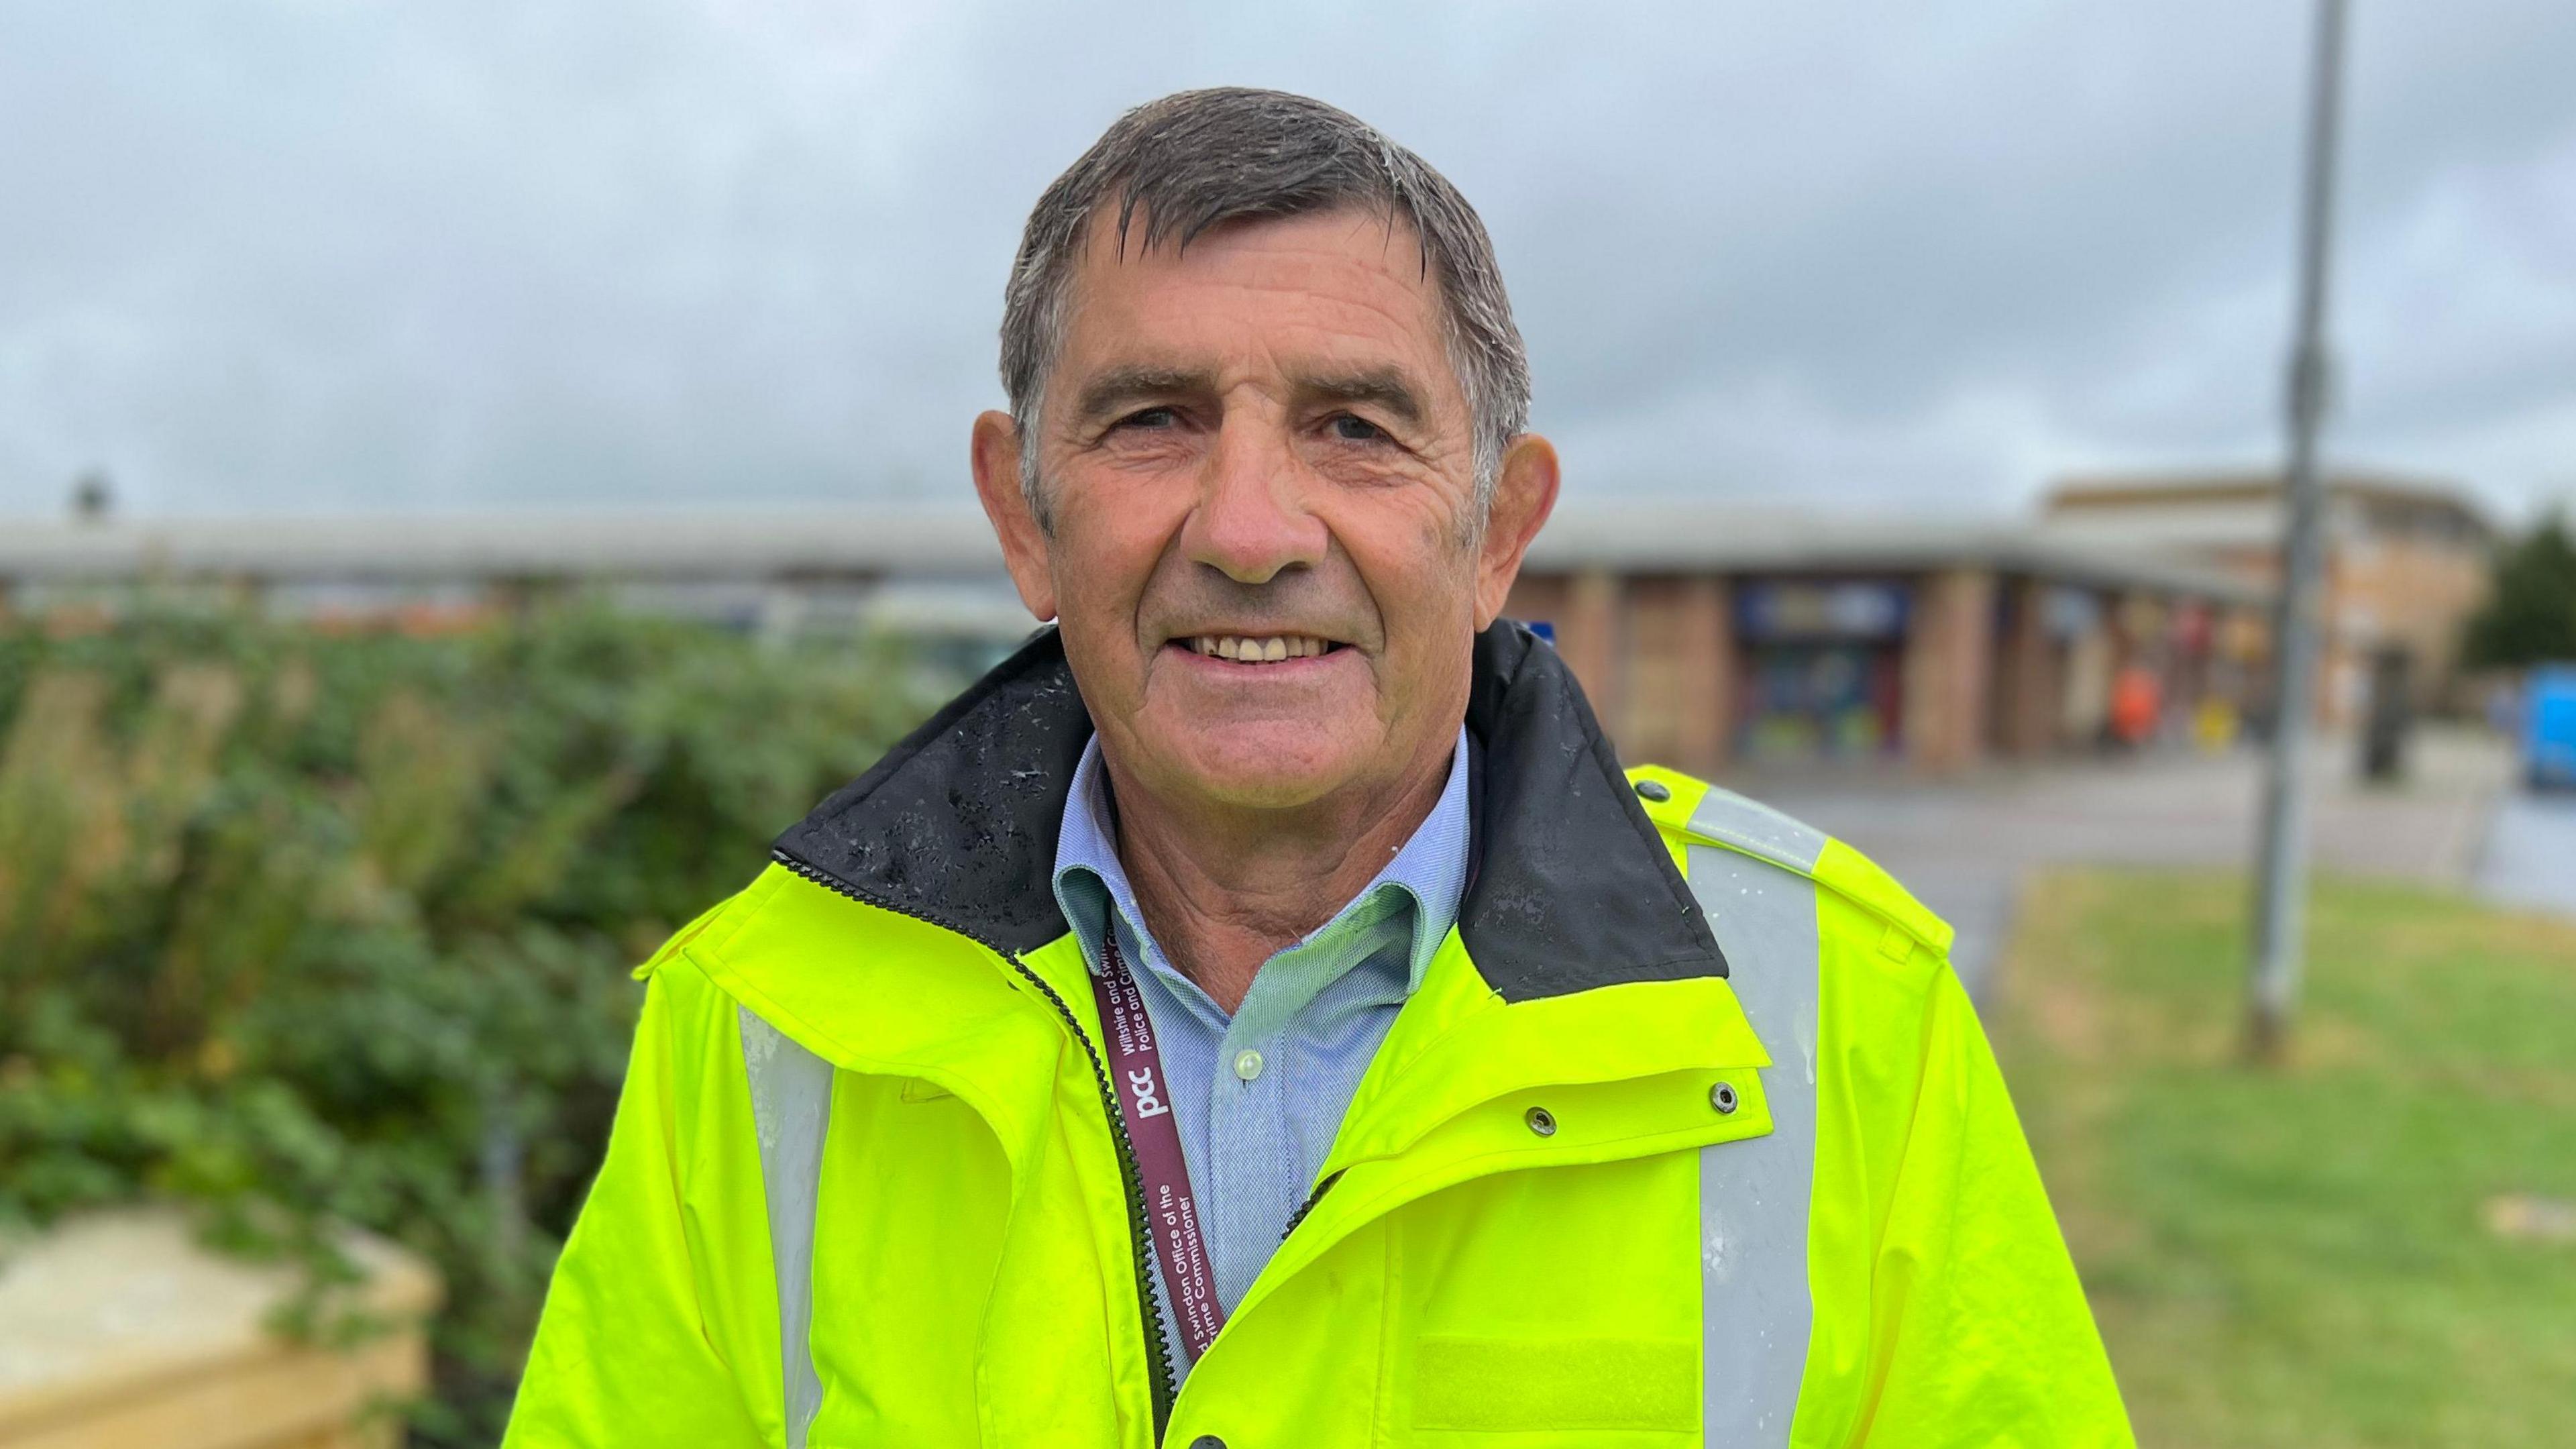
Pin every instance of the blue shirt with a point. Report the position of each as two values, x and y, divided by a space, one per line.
1259 1096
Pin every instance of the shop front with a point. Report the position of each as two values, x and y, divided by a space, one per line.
1822 668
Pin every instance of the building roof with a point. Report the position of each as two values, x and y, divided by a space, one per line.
677 545
2132 491
1669 537
786 544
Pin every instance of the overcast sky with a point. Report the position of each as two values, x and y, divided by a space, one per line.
474 253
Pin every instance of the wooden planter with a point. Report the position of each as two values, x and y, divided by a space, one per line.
117 1331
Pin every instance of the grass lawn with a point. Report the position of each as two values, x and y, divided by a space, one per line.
2304 1256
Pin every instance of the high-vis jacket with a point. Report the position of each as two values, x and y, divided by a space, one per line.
1689 1137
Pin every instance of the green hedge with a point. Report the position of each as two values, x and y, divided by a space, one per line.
302 925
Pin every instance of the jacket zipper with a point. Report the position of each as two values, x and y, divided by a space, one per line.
1308 1205
1131 1175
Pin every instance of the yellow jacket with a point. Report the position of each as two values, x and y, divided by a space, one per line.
1689 1137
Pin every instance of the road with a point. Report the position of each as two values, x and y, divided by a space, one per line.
1964 846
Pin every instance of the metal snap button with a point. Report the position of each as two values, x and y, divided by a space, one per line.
1541 1121
1207 1441
1655 790
1722 1097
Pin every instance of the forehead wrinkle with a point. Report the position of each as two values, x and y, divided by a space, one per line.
1111 249
1353 301
1162 231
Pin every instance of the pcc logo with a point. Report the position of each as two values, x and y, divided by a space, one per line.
1149 1100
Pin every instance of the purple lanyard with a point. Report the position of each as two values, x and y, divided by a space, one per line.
1136 1065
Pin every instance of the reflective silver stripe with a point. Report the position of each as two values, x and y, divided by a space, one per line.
791 1107
1752 826
1755 1310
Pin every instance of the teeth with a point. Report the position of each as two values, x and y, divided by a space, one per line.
1248 650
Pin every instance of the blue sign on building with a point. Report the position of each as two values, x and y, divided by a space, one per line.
1805 609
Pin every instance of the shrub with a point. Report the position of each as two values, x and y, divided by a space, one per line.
304 926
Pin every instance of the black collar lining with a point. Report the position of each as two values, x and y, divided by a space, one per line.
1568 888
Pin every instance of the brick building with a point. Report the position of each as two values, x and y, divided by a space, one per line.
2406 560
1709 638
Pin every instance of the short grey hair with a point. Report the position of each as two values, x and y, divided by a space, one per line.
1198 159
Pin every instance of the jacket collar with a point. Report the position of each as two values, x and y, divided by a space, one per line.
1568 887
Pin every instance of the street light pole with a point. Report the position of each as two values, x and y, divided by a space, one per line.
2281 882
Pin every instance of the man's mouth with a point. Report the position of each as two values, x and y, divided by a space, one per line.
1258 648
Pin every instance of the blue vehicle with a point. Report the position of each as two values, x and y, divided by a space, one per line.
2549 726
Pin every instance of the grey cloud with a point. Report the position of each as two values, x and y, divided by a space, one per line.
296 255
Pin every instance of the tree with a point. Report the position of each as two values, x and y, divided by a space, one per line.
2530 614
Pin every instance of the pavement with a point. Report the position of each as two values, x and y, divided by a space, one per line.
1965 845
2529 860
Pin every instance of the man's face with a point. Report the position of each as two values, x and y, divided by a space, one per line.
1266 559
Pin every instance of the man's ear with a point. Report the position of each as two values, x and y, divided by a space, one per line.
996 458
1524 495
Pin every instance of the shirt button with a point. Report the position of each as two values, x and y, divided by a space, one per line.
1247 1064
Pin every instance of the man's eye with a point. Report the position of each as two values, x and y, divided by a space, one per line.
1149 418
1356 430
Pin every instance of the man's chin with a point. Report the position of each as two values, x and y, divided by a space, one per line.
1272 764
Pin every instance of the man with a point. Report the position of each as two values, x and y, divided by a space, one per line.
1262 1012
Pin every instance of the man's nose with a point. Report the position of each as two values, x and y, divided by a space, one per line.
1251 522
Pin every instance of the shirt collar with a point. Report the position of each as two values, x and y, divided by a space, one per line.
1430 869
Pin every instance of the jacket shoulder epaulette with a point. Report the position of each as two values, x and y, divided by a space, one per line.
1691 811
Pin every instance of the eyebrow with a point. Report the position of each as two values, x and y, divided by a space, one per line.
1120 386
1390 388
